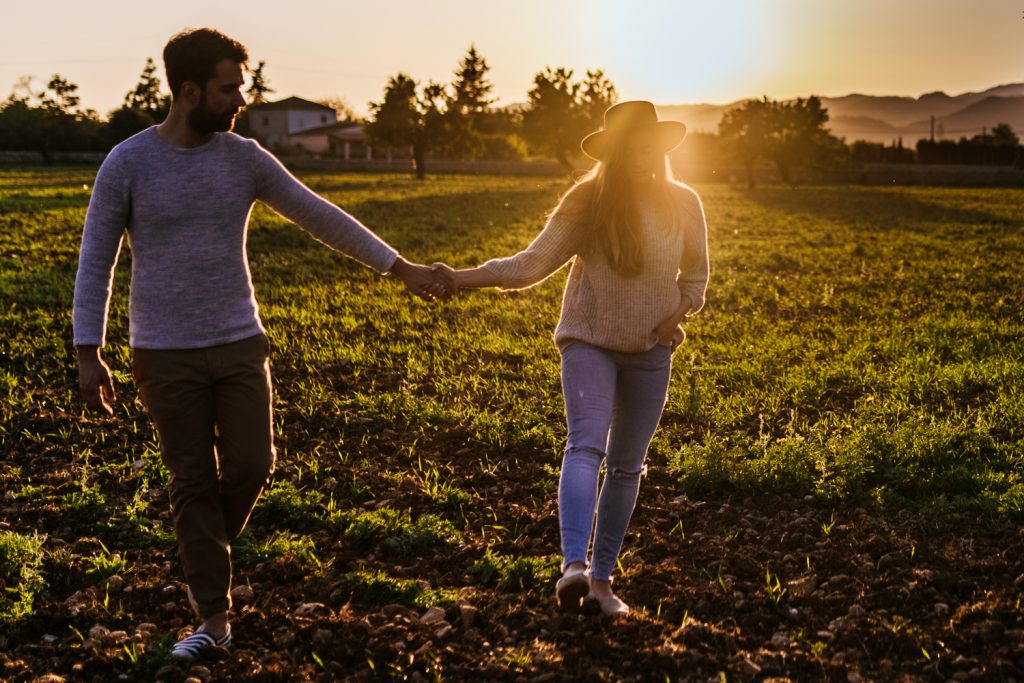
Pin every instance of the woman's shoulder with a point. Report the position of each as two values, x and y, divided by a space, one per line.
581 193
575 203
686 198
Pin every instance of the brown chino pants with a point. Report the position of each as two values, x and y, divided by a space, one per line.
212 409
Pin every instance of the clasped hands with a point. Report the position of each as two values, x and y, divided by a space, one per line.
427 282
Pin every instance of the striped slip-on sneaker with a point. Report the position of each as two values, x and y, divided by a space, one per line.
190 648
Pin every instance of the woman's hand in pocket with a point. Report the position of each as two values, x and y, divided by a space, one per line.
669 333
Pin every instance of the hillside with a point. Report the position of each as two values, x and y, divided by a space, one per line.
983 113
882 118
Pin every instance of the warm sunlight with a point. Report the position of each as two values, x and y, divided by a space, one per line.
523 340
671 52
686 51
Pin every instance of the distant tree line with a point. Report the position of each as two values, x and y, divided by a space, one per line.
794 135
1000 147
459 120
51 120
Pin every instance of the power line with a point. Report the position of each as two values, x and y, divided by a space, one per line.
62 62
74 42
327 72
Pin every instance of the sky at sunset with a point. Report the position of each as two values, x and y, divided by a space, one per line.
670 52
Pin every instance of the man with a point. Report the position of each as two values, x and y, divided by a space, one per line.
184 190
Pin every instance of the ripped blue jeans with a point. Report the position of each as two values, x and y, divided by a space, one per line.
613 403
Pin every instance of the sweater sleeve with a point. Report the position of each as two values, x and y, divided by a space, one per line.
550 250
105 223
286 195
693 265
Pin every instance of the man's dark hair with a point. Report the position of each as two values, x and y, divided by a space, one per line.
193 55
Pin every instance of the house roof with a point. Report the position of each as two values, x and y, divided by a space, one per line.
290 103
341 131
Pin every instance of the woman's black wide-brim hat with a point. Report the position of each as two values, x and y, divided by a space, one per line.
628 117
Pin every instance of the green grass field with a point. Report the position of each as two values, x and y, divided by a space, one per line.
862 345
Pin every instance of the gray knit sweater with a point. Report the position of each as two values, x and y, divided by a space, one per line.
186 211
602 307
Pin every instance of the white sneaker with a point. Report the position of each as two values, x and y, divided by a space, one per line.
572 588
610 604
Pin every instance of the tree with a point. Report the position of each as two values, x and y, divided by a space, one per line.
745 132
144 105
560 111
258 87
1001 146
21 124
471 90
146 96
405 118
341 106
788 134
61 96
125 122
468 114
48 121
1003 136
800 137
597 94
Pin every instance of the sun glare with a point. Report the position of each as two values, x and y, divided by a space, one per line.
686 51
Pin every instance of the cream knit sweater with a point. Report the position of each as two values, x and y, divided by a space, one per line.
600 306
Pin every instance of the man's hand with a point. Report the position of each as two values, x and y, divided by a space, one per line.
423 281
448 274
94 380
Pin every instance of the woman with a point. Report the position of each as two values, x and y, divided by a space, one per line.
638 243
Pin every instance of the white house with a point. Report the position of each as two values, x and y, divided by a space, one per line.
273 122
345 140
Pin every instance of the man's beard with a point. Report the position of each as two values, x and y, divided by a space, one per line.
204 121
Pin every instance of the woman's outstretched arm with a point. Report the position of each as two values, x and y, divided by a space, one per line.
556 244
469 278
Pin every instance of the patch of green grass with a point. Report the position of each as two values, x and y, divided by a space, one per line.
518 659
375 587
21 577
105 563
153 471
156 656
29 493
514 572
396 531
440 489
285 503
247 552
773 587
87 499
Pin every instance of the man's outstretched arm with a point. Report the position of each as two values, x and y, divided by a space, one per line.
285 194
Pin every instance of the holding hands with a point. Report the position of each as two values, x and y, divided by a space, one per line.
426 282
441 281
467 278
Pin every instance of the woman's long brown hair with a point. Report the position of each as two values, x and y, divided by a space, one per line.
605 200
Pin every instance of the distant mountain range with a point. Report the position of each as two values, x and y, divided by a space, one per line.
886 118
